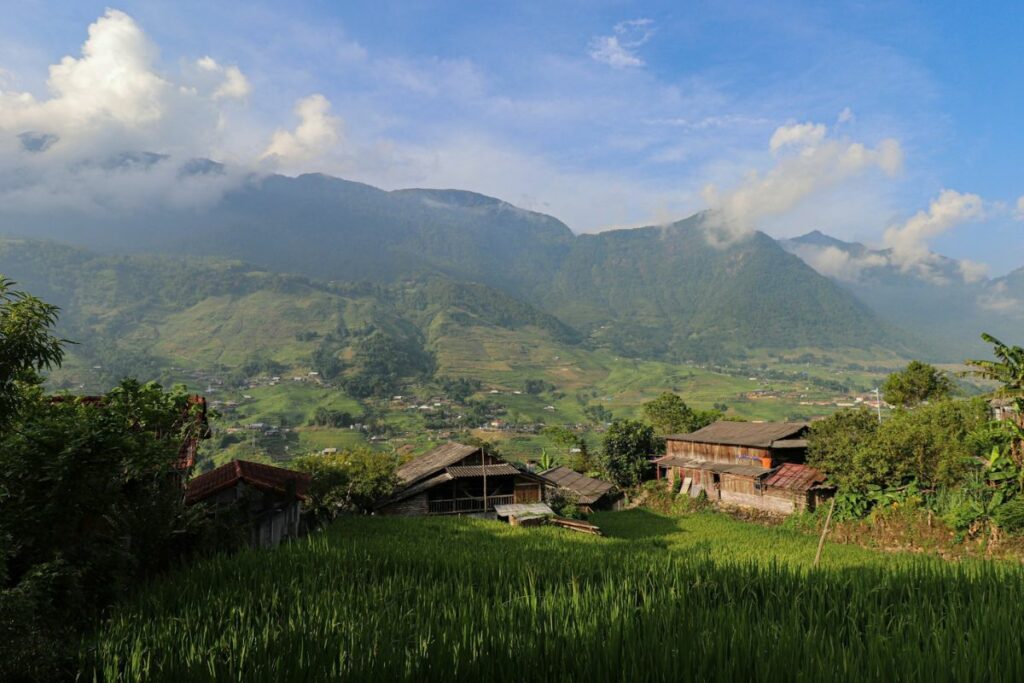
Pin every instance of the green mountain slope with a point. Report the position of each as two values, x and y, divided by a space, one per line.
660 292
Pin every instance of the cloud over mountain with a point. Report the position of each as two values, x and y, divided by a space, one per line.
807 162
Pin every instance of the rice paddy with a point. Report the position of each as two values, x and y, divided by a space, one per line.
701 597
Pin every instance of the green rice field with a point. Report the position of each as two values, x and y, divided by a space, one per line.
700 597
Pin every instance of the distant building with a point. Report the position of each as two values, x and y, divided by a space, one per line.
271 497
748 464
459 479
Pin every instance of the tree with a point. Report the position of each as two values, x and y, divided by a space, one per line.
89 506
627 447
27 346
934 445
349 481
669 414
916 384
1008 370
842 447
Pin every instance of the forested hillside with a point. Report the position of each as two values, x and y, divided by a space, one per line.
653 292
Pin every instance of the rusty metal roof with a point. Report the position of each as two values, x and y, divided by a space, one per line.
498 469
263 477
753 434
794 477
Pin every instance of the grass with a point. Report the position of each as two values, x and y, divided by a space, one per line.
702 597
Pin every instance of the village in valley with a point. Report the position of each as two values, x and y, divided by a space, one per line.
524 342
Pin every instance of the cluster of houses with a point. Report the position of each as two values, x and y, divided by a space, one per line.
749 465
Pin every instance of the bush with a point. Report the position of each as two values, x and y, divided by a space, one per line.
1010 516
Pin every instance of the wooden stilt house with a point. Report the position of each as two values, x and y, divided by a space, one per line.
459 479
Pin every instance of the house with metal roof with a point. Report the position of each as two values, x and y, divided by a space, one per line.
271 497
458 479
590 493
733 463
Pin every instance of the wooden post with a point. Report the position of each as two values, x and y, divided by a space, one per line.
824 530
483 466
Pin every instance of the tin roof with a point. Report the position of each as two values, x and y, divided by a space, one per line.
587 489
522 509
712 466
753 434
263 477
795 477
497 469
432 461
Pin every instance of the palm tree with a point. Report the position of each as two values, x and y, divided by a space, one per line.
1008 370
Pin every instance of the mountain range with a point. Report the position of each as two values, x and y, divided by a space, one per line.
942 300
658 291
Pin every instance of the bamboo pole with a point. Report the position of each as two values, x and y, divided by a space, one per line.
824 530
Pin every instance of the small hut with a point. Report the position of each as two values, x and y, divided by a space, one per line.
271 497
590 493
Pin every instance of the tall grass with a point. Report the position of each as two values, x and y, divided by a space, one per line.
455 599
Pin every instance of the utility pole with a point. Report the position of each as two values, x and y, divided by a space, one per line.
878 404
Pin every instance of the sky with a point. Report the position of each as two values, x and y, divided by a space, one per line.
892 123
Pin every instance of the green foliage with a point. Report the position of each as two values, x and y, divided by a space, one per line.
627 448
598 414
669 414
348 481
915 384
27 346
931 445
89 504
1010 516
388 599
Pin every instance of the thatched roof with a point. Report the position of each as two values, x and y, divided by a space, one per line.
752 434
587 489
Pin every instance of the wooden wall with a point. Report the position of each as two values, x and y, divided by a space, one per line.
413 505
528 492
716 452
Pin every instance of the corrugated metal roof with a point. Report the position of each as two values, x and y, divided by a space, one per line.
499 469
432 461
755 434
588 489
795 477
790 443
522 509
711 466
263 477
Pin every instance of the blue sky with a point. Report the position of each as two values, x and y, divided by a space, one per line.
604 114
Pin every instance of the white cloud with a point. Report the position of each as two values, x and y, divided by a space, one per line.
997 298
619 49
234 84
112 82
834 262
798 135
972 271
817 163
845 116
908 242
317 132
1019 214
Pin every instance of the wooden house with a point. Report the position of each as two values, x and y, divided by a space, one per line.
458 479
590 493
733 463
270 497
